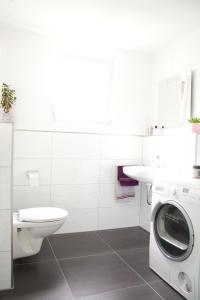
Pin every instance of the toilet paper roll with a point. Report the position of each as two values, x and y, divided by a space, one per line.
33 177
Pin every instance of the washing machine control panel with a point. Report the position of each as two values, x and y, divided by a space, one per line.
161 188
176 191
190 193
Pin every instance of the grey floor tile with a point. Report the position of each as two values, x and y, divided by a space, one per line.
97 274
166 291
77 244
45 254
143 292
39 293
138 259
125 238
40 279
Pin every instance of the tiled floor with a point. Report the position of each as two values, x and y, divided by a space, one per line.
103 265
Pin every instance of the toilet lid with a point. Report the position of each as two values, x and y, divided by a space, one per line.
42 214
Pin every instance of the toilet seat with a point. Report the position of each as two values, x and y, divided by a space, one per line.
41 214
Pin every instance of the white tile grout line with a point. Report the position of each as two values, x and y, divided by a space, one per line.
83 132
116 290
128 265
63 275
51 172
64 258
98 198
98 254
132 249
83 256
111 291
101 254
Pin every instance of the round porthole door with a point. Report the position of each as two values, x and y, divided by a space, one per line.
173 231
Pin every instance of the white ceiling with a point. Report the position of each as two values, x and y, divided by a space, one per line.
147 25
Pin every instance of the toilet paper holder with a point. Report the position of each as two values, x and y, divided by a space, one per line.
33 177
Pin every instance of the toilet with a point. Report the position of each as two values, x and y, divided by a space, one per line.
32 225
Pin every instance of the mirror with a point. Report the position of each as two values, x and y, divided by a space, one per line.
174 100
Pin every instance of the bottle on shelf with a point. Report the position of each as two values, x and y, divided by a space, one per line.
155 130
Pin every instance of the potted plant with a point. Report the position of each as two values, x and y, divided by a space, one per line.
8 98
195 124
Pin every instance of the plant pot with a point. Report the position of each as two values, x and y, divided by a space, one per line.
7 117
196 127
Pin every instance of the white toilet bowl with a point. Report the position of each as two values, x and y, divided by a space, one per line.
32 225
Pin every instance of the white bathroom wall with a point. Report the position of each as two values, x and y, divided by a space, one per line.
5 206
77 172
33 60
182 55
176 151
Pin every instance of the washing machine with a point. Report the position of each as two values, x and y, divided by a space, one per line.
175 235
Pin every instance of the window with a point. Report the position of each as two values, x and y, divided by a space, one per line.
83 90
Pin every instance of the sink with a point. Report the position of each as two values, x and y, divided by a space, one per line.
140 173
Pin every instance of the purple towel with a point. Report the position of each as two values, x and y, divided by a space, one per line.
123 179
124 185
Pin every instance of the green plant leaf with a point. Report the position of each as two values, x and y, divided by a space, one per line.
8 97
194 120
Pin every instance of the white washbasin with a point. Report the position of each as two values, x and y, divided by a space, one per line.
140 173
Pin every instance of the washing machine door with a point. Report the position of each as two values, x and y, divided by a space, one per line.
173 231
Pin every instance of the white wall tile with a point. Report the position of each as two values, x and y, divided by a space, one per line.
107 197
75 171
80 220
69 145
74 196
176 151
21 166
149 150
5 145
5 188
6 270
5 225
118 217
29 144
121 147
198 149
25 196
108 170
70 174
181 154
5 205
